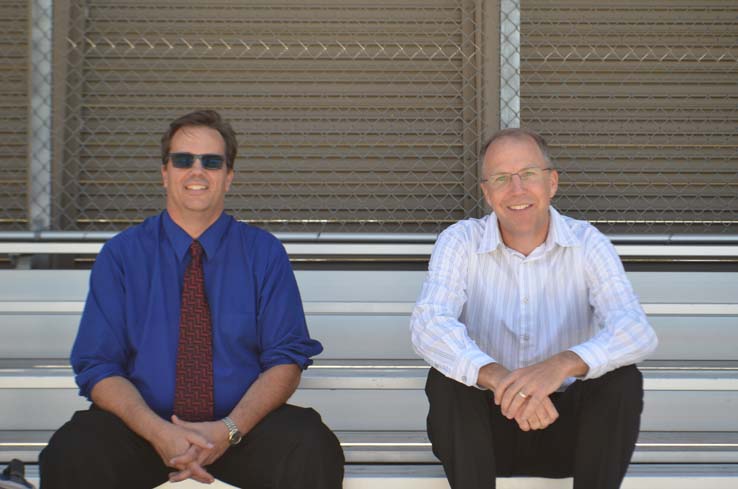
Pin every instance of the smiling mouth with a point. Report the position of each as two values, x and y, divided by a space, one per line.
196 187
519 207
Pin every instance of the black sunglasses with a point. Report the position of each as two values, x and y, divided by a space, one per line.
186 160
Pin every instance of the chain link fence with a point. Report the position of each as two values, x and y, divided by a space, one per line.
357 116
639 101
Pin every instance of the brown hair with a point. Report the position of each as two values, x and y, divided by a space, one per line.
202 118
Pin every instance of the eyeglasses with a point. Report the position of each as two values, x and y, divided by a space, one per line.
532 174
186 160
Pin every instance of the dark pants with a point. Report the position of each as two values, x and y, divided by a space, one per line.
290 448
592 440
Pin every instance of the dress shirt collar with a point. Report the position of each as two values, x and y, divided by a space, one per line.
181 241
558 234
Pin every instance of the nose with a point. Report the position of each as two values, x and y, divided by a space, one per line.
516 183
197 165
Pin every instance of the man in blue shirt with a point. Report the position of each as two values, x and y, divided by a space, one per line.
128 357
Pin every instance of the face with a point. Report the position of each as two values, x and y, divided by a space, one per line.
196 194
521 208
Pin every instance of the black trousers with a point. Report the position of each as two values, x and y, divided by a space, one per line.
290 448
592 440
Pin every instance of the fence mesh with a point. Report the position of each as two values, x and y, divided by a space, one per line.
367 116
639 101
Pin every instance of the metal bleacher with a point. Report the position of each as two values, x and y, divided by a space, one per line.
368 383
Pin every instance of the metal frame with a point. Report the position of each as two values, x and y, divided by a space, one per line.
39 114
323 251
509 63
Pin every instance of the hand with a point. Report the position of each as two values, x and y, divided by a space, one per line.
173 441
536 383
543 416
493 375
191 462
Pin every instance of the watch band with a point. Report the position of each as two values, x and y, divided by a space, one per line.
234 436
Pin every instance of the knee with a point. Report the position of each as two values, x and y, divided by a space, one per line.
318 440
68 451
444 391
620 387
626 381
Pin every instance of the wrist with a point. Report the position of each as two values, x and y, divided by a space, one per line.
490 375
572 364
159 431
233 434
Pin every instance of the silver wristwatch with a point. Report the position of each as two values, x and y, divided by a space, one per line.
234 436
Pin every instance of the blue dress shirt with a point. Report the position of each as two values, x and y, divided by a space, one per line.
130 324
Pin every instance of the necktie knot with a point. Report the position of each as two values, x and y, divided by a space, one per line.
196 250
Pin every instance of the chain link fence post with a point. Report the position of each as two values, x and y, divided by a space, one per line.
39 115
509 63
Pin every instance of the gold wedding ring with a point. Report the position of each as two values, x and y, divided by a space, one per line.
524 396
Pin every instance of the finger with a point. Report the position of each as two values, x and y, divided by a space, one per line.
189 456
553 414
524 425
187 474
198 440
543 416
205 457
179 476
179 422
544 413
200 474
512 401
530 409
544 424
534 422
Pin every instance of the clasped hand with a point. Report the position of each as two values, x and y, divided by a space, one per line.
190 447
523 394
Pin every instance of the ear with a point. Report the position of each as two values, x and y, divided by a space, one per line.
229 178
554 183
487 195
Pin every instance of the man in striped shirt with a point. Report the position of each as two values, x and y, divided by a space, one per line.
532 331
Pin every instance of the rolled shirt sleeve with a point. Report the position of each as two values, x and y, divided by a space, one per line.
283 333
99 349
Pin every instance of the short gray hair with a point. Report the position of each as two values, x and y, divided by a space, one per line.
517 133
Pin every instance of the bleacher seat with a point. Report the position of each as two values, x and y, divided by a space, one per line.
368 384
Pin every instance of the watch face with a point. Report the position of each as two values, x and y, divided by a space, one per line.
234 437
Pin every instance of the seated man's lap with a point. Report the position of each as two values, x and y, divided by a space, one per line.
550 452
290 441
98 445
588 410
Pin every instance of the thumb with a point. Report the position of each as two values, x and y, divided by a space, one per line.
179 422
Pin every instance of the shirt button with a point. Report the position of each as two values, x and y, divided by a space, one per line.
526 337
525 300
463 377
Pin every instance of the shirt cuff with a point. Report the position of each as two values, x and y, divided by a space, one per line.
87 379
467 368
594 356
297 352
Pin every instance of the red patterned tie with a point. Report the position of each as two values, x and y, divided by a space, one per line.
193 395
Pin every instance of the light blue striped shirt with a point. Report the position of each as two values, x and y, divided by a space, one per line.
483 302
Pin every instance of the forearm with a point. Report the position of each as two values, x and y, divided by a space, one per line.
270 390
120 397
